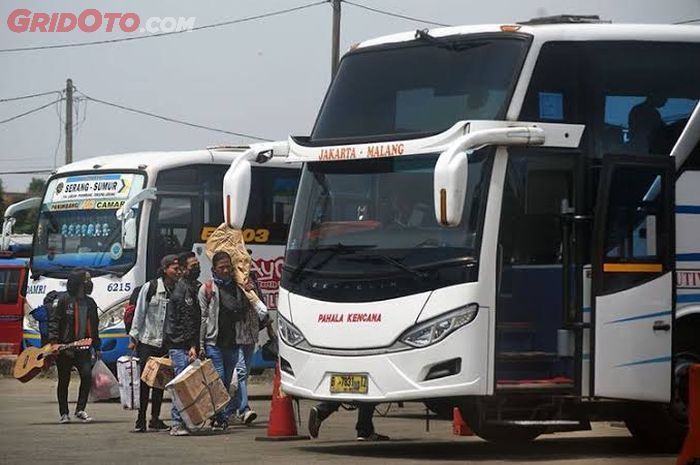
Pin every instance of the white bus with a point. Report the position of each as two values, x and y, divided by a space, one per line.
485 219
175 202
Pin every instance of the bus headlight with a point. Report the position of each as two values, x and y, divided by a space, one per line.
438 328
288 332
113 315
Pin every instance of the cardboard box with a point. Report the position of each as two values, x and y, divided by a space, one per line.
198 393
158 372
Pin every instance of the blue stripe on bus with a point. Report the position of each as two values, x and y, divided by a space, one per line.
688 257
688 209
687 298
645 362
640 317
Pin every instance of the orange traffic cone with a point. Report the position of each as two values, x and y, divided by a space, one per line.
281 425
459 426
691 449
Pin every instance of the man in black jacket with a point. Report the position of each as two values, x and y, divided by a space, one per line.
182 319
73 316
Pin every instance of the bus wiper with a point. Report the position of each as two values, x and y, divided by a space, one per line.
60 267
450 44
449 261
334 250
396 263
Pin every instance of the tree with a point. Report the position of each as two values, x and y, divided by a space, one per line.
26 220
36 187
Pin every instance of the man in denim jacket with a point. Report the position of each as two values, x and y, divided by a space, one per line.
147 335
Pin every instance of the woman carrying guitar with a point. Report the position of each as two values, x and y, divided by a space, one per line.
73 316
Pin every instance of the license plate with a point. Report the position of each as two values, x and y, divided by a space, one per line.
351 384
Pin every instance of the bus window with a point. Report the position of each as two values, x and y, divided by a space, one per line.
174 224
536 186
272 195
9 286
633 97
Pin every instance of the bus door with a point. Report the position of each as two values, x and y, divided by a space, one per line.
633 286
12 279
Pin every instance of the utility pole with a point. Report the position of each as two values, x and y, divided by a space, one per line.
335 42
69 121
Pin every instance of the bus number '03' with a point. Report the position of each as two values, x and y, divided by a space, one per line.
249 235
256 235
119 287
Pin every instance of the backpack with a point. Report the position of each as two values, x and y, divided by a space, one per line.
41 315
130 309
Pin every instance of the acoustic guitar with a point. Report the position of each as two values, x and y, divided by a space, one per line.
32 359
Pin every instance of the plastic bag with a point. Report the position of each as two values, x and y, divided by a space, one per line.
233 387
104 385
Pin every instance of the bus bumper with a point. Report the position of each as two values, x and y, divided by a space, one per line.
396 376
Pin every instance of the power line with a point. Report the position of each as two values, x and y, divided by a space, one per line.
22 97
163 34
34 110
395 15
172 120
34 171
688 21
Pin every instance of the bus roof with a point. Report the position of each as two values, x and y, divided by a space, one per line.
155 161
569 32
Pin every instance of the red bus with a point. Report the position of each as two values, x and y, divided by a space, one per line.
13 272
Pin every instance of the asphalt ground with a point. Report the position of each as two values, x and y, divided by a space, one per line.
30 433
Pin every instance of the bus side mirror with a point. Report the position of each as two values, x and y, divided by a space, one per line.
450 181
237 192
451 169
129 234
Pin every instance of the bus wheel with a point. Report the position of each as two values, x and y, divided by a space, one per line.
440 407
500 434
664 427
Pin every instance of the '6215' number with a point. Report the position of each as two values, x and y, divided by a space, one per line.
119 287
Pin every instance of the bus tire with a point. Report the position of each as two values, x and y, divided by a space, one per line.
663 427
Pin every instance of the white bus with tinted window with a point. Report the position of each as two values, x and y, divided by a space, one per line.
117 216
489 217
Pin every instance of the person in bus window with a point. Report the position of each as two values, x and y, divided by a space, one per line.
645 123
147 335
73 316
364 425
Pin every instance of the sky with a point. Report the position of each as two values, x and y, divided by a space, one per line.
266 77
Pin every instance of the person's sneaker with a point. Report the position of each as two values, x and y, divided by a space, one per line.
64 419
179 430
157 425
373 437
140 426
83 416
249 417
314 422
219 425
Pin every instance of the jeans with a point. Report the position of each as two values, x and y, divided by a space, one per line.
180 362
224 360
144 351
82 360
244 356
365 412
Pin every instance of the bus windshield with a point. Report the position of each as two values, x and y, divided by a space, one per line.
78 227
419 88
374 218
